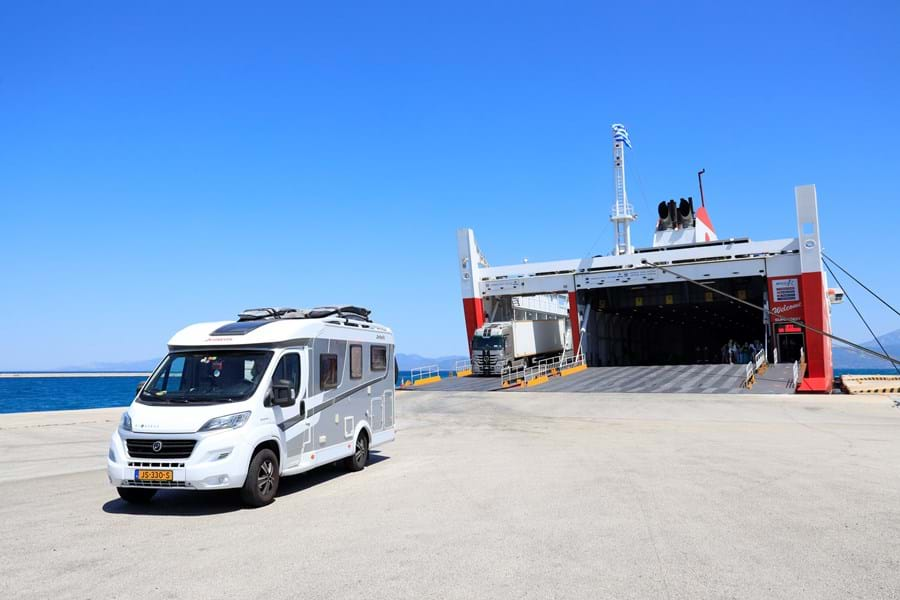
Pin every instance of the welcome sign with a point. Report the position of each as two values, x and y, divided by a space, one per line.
784 299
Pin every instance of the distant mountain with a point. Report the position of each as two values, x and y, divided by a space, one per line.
851 358
412 361
143 366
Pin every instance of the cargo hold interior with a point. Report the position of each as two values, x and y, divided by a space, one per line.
670 323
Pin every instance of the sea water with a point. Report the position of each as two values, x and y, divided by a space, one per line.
27 394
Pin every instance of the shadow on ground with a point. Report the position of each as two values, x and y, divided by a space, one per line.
184 503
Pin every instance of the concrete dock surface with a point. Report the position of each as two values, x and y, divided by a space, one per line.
489 495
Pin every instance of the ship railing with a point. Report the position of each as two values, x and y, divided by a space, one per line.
544 368
462 366
511 375
760 359
749 375
567 362
426 372
799 368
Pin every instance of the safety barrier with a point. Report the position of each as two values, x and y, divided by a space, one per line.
760 359
569 365
749 375
510 376
541 371
463 368
424 375
798 370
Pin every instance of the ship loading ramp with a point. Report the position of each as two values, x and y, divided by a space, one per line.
681 300
684 379
470 383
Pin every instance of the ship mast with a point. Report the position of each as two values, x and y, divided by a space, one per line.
623 212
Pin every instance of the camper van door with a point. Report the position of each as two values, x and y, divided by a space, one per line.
290 367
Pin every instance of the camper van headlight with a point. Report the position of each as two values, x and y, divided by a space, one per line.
227 422
126 422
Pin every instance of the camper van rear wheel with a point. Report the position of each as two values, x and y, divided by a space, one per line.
360 456
262 479
136 495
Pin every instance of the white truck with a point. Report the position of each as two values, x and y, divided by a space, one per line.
516 343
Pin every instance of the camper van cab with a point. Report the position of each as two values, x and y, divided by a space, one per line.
239 404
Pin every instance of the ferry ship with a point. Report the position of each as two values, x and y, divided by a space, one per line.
690 298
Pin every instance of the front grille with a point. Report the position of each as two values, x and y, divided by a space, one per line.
156 465
143 448
484 362
155 484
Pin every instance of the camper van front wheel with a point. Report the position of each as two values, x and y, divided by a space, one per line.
360 456
262 479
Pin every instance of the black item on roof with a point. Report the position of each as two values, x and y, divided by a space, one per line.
253 314
253 318
343 311
346 311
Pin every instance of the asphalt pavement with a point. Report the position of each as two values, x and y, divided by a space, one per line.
489 495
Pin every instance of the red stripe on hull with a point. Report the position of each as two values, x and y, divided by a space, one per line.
473 309
574 323
820 370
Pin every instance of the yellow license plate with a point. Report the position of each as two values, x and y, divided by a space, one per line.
152 475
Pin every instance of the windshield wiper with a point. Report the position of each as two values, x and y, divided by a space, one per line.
165 398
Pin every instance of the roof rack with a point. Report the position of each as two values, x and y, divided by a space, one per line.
344 311
254 314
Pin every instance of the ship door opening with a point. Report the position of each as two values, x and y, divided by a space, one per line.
672 323
789 341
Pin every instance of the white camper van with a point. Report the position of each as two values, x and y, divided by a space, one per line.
239 404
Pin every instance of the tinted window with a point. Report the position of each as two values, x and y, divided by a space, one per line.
206 377
289 368
379 358
172 379
356 367
328 371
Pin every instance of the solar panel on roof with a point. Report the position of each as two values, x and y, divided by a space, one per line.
240 327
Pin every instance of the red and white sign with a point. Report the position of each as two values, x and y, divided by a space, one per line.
784 299
786 290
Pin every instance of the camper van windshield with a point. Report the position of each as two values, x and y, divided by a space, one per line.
494 342
207 377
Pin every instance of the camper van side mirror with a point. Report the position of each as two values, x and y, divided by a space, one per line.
139 386
282 393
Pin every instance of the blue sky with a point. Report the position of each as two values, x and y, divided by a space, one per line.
163 164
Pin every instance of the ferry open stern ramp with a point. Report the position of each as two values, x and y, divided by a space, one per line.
691 298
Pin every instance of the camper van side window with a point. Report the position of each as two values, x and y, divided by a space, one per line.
288 368
356 368
328 371
379 358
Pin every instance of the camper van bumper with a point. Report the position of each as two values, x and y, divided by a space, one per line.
219 460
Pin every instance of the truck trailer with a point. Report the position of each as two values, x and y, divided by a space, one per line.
496 346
